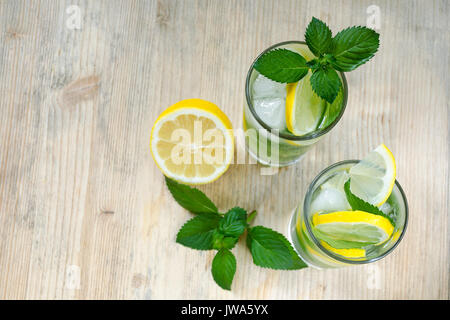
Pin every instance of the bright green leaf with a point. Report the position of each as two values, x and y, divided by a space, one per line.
221 241
234 222
318 37
224 268
282 65
326 83
353 47
198 232
271 249
189 198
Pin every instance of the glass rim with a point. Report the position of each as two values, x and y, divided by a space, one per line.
333 255
309 136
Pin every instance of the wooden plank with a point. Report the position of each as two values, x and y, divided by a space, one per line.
84 212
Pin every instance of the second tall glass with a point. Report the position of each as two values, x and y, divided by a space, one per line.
317 253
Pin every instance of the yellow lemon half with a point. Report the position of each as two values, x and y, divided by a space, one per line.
192 142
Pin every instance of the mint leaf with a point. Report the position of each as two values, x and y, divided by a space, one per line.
282 65
353 47
318 37
359 204
234 222
189 198
271 249
230 228
224 268
313 64
221 241
326 83
339 243
198 232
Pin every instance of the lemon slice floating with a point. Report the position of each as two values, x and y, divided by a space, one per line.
304 109
355 226
348 253
373 178
192 142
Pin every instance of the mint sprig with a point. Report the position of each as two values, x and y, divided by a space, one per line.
344 52
234 222
211 230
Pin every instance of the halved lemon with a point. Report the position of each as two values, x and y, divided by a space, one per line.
304 109
192 142
373 178
354 226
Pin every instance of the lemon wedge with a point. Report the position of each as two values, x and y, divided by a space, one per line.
337 181
373 178
304 109
192 142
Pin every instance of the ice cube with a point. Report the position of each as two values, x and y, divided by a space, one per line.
386 208
266 88
337 181
330 200
271 111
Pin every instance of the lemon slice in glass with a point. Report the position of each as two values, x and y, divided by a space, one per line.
373 178
354 226
348 253
304 109
192 142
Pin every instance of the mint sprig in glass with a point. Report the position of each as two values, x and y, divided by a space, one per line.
344 52
296 91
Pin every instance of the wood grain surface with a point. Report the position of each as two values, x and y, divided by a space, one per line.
84 211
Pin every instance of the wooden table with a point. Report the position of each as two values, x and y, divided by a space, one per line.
84 211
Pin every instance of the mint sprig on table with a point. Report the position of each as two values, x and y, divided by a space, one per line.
212 230
344 52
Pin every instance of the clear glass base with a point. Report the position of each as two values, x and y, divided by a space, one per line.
271 164
293 239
